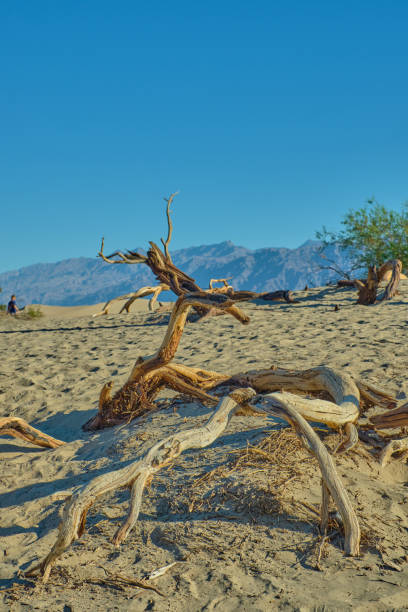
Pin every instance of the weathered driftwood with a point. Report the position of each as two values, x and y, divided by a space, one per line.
163 453
132 297
273 296
339 385
394 446
151 374
395 267
391 419
225 288
19 428
367 290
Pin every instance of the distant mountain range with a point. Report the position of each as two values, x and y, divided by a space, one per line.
83 280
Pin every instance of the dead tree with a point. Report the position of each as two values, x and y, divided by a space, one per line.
138 474
152 374
170 277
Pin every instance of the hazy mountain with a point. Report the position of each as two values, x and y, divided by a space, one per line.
86 281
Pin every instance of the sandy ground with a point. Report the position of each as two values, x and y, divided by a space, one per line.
241 541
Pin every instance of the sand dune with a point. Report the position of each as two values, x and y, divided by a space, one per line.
241 540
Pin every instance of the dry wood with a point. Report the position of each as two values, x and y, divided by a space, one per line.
285 407
164 452
395 446
151 374
169 226
339 385
279 295
19 428
367 290
132 297
375 395
395 266
391 419
390 272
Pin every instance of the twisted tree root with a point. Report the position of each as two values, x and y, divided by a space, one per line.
163 453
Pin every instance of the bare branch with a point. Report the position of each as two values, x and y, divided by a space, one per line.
18 428
132 257
169 225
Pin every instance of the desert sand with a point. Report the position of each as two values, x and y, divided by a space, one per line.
241 531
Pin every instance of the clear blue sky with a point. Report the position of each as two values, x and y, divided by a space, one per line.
271 118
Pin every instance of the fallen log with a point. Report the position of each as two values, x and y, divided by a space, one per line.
273 296
19 428
139 473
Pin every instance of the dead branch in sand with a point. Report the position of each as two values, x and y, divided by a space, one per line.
394 446
132 297
164 452
273 296
19 428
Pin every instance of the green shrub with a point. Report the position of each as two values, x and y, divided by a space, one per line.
372 235
33 312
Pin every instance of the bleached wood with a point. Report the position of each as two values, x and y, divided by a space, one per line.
132 297
395 446
19 428
285 407
341 387
164 452
392 288
398 417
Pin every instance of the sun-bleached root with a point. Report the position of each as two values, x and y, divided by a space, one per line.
19 428
164 452
345 407
395 446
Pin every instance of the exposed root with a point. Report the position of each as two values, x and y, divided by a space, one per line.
18 428
163 453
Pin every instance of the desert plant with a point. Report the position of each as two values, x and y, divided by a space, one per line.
33 312
372 235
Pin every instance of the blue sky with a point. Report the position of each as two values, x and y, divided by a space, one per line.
271 118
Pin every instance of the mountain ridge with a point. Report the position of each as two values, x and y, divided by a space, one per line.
85 280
